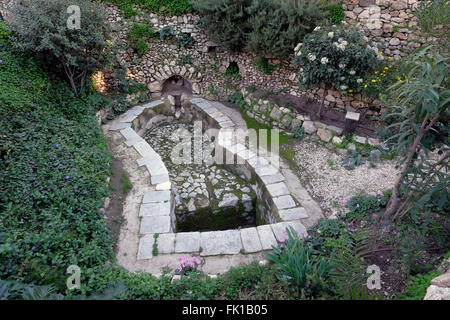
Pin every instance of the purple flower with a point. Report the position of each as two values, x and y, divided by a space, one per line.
1 61
57 145
67 177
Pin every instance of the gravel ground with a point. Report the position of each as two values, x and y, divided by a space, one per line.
329 182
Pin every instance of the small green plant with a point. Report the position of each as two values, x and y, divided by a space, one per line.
126 183
417 286
139 35
185 40
186 59
306 272
212 90
336 12
140 31
298 132
166 7
251 88
352 160
362 205
165 33
263 65
233 70
155 245
4 33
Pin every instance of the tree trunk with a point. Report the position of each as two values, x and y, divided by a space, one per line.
395 200
322 104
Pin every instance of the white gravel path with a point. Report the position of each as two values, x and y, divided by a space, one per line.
329 182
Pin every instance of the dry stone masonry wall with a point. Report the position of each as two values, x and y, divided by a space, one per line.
390 23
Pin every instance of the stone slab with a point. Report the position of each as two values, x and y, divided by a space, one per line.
145 250
164 186
166 243
266 237
258 162
156 196
220 242
128 117
250 240
266 171
131 143
278 177
226 124
130 134
187 242
159 179
293 214
284 202
352 116
153 104
116 126
279 229
277 189
155 209
157 224
144 149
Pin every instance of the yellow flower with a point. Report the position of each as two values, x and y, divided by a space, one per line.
376 72
386 68
351 90
365 86
374 80
389 58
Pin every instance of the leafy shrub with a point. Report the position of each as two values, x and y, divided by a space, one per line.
264 27
225 21
376 83
41 26
362 205
433 18
138 37
417 106
298 132
170 7
336 57
306 272
276 27
264 65
336 12
417 286
4 33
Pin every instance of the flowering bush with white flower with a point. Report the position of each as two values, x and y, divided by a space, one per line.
337 56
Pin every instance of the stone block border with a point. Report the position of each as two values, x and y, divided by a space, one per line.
277 206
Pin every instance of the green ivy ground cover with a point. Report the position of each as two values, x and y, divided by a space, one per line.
54 163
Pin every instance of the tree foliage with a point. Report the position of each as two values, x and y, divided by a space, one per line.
41 27
420 114
264 27
225 21
276 27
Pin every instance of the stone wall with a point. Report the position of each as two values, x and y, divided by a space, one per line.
390 23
